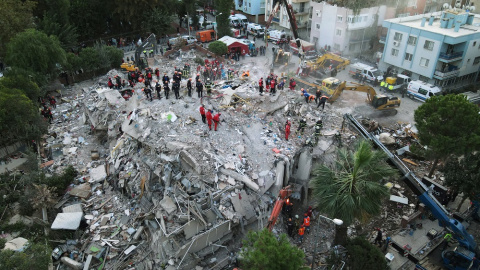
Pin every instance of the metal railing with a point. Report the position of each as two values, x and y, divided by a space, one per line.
450 56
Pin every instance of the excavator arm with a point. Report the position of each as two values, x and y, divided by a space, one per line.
353 87
277 208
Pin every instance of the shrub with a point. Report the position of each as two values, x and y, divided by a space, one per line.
218 48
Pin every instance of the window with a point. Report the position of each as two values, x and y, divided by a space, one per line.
424 62
339 32
394 52
428 45
318 13
476 60
336 46
474 43
317 25
422 91
339 18
398 36
408 57
412 40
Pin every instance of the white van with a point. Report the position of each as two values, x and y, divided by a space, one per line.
359 69
422 91
255 29
276 35
234 21
243 18
186 39
210 25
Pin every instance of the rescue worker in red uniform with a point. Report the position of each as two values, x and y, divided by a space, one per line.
110 83
260 86
287 129
292 84
202 113
209 119
216 119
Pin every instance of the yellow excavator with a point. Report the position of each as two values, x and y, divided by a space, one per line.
379 102
323 62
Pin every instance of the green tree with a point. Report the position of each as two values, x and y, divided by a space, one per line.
157 21
463 175
448 125
89 59
15 16
364 255
23 83
66 33
223 25
35 52
261 250
35 256
89 17
352 189
19 117
218 48
356 5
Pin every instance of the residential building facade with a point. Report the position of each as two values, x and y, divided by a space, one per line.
442 48
301 10
339 30
253 9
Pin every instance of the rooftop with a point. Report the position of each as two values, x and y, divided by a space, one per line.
465 29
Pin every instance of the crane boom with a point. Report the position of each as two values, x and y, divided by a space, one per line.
277 208
291 18
421 191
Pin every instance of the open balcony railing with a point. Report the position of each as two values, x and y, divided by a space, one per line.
450 56
446 75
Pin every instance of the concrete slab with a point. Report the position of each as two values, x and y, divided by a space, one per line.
81 191
168 204
67 221
242 203
190 161
74 208
203 240
98 174
192 228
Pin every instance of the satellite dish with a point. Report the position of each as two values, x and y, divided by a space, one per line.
446 5
472 8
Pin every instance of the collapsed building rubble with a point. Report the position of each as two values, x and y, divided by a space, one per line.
157 189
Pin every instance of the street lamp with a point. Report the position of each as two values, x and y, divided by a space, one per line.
216 26
336 221
188 23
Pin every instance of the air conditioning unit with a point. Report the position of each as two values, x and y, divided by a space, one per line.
396 43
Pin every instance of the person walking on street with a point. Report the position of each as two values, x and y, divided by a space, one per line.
209 119
322 102
216 120
202 113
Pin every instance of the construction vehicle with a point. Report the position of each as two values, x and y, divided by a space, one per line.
283 197
379 102
291 18
329 85
281 58
327 62
463 256
148 45
128 66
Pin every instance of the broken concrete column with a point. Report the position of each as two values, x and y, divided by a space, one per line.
279 173
241 178
190 161
72 264
304 165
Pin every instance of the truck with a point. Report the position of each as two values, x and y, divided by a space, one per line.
398 81
206 36
358 70
462 257
306 46
379 102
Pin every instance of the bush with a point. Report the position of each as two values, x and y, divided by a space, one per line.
115 56
60 182
35 256
363 255
218 48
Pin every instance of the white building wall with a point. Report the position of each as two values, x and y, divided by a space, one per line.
472 52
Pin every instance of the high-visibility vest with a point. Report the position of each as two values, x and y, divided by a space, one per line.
301 231
382 84
306 221
390 87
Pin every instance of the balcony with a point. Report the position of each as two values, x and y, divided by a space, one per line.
300 1
450 57
383 39
300 12
445 75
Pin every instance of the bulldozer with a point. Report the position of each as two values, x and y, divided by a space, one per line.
379 102
281 58
323 63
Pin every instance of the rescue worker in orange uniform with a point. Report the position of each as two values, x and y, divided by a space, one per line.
306 222
301 232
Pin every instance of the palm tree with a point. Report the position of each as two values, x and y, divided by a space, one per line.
352 189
